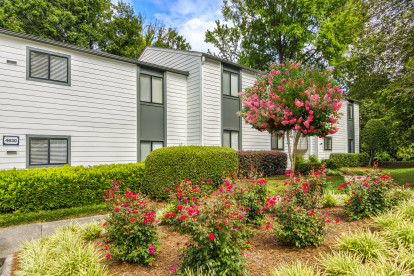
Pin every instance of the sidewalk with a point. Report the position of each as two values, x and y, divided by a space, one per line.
12 237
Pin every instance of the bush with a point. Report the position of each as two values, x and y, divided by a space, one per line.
371 195
365 244
295 269
330 164
252 196
329 200
396 164
55 188
374 137
339 263
217 234
131 227
267 162
167 166
63 253
307 167
340 160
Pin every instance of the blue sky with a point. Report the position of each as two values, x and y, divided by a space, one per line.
190 17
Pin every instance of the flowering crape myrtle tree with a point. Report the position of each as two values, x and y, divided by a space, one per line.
293 99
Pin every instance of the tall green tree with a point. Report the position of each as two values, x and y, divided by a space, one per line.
77 22
97 24
269 31
380 71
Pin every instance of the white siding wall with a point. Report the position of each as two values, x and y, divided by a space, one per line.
339 139
211 98
357 126
186 61
98 110
176 109
253 139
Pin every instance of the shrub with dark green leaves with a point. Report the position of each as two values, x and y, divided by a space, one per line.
64 187
168 166
272 162
131 226
374 137
340 160
371 195
307 167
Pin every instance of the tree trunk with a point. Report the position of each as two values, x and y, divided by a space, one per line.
292 152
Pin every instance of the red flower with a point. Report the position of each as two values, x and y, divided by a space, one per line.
298 210
132 220
108 256
145 221
348 218
360 198
212 237
337 220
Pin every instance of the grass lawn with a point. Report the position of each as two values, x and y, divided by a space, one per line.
401 176
7 220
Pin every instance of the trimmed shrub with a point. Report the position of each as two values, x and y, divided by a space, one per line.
340 160
374 137
167 166
271 162
330 164
65 187
307 167
395 164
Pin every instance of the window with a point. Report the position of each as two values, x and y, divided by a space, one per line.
230 83
278 142
231 139
350 111
351 146
150 89
48 151
327 143
148 146
48 67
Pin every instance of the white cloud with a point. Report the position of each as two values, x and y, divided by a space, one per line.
192 18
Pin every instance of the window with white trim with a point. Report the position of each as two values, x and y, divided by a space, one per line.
44 66
48 151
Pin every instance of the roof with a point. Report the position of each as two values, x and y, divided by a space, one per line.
201 54
89 51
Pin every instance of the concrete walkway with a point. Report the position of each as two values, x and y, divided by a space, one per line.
11 238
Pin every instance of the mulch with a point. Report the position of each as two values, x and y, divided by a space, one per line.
264 254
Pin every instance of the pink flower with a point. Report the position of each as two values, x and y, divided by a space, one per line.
132 220
174 269
145 221
267 226
241 217
108 256
105 223
106 247
337 220
211 237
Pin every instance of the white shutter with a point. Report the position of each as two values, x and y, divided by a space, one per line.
235 140
145 149
39 65
226 83
226 139
234 85
58 151
38 152
58 68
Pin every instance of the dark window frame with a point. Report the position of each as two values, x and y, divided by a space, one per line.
49 54
238 83
162 90
238 135
277 142
29 138
350 111
326 145
151 143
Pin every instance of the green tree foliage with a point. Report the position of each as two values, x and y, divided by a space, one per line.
269 31
94 24
380 71
374 138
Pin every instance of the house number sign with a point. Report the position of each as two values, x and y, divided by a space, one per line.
10 140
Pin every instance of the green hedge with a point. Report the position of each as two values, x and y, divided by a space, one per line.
272 162
307 166
339 160
165 167
55 188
